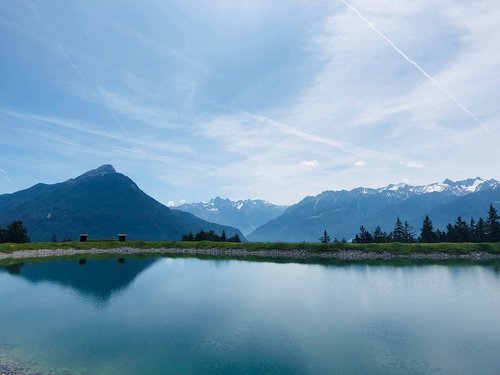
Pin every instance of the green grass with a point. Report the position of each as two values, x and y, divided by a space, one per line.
394 248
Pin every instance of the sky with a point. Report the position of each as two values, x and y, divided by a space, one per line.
261 99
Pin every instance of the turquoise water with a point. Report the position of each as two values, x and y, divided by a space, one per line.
192 316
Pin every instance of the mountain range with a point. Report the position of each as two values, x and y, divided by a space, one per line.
342 212
102 203
245 215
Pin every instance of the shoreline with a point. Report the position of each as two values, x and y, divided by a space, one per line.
292 254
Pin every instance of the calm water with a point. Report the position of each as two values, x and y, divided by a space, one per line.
192 316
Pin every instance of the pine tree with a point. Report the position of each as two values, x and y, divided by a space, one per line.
379 236
409 234
461 230
492 225
223 237
188 237
480 232
325 238
472 230
450 233
398 234
234 238
363 237
200 236
441 236
427 233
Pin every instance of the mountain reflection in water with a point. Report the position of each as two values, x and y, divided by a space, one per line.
97 279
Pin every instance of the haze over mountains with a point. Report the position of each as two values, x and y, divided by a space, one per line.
245 215
342 212
102 203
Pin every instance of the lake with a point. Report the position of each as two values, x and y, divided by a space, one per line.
197 316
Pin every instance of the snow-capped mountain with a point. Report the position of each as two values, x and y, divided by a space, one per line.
246 215
342 212
456 188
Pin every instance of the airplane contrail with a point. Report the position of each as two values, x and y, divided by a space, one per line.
419 68
72 64
96 87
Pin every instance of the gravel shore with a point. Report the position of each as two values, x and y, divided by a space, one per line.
343 255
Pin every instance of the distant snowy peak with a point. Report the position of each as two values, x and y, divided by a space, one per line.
457 188
218 202
402 191
244 214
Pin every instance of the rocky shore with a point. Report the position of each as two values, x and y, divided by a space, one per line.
298 254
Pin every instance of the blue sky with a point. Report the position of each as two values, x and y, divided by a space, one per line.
261 99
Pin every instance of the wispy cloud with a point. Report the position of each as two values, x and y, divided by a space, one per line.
308 163
305 104
414 164
5 175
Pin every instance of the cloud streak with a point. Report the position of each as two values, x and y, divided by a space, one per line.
309 163
417 66
5 175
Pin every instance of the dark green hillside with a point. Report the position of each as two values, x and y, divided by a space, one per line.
101 203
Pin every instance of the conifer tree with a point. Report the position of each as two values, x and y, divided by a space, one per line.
461 230
450 233
472 230
427 233
409 234
398 234
325 238
441 236
480 232
234 238
492 225
363 237
379 236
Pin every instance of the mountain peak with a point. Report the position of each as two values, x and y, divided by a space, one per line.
447 181
102 170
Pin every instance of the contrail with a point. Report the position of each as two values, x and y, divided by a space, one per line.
119 123
419 68
75 68
71 63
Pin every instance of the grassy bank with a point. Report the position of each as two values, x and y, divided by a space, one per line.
393 248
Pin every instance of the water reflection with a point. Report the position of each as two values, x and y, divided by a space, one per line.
213 317
97 279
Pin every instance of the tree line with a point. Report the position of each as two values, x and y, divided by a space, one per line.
14 233
460 231
210 236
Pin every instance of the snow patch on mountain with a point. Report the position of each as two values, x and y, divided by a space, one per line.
457 188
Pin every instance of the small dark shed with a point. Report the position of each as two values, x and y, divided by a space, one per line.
122 236
84 237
